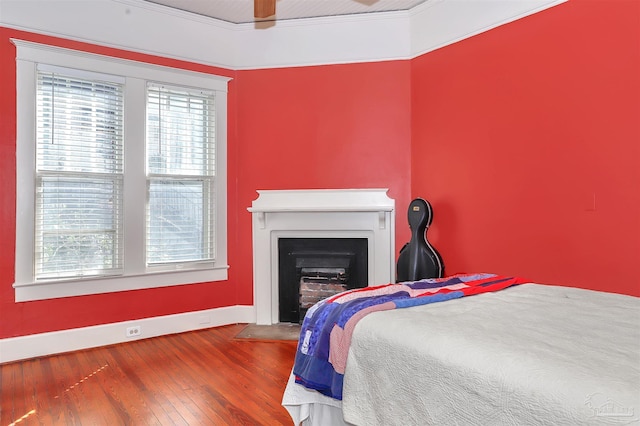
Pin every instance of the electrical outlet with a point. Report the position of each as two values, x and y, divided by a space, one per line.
134 331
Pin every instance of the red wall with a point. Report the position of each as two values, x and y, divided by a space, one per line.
343 126
18 319
337 126
516 129
509 134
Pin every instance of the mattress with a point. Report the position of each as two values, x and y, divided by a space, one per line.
530 354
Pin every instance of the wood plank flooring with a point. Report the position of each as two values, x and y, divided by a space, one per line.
203 377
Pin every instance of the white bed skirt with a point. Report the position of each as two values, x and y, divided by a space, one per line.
310 408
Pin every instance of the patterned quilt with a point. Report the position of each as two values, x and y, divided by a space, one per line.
327 328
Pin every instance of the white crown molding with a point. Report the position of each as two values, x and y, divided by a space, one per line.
438 23
142 27
36 345
130 25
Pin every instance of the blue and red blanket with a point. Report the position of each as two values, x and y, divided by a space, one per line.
326 331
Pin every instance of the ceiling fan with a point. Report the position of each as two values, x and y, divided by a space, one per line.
264 8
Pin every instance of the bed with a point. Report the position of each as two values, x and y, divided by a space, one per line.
525 353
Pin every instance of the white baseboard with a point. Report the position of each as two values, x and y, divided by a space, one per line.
35 345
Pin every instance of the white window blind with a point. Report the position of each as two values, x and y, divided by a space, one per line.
79 176
180 171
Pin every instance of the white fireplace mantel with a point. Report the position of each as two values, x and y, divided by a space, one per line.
318 213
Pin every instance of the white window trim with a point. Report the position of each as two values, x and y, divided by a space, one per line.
137 275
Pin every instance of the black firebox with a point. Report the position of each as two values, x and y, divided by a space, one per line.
311 269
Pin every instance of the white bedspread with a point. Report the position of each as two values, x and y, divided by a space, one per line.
531 354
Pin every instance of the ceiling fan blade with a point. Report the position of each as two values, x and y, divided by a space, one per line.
264 8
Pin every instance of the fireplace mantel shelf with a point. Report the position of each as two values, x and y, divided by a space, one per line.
320 209
322 200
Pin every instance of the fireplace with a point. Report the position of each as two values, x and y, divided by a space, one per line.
361 214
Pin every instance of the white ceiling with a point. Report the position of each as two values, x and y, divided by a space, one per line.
241 11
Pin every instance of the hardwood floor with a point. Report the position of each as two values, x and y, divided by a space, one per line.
203 377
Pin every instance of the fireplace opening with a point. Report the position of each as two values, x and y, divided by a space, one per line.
312 269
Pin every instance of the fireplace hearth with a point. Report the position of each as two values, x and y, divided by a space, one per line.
364 214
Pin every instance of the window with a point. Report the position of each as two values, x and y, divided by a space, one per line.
180 164
121 174
79 176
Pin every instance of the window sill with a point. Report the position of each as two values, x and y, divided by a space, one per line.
55 289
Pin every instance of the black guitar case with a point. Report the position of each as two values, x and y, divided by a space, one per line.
418 259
